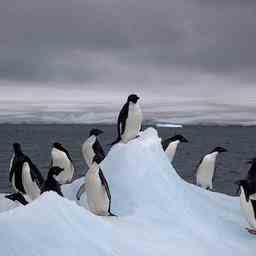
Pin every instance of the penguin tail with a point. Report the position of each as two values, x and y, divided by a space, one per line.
112 214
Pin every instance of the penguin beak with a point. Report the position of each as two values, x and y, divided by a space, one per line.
184 140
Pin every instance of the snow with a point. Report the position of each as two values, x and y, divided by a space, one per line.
158 214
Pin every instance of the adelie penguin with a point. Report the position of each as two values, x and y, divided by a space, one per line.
248 196
248 205
170 145
206 168
25 177
51 184
92 147
97 190
129 120
61 158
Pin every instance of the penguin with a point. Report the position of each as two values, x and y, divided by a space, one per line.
206 168
97 190
17 197
24 175
248 205
251 176
51 184
129 120
170 145
91 147
61 158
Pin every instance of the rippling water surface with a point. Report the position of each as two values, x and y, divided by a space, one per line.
37 140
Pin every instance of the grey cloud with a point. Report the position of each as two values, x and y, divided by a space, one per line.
121 40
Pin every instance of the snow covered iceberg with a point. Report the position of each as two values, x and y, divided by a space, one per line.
159 214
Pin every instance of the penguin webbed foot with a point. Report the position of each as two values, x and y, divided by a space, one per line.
251 231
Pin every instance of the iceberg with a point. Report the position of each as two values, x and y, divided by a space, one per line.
158 214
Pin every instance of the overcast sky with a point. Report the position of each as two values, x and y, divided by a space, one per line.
134 45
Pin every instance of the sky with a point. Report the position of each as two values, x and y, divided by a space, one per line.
171 51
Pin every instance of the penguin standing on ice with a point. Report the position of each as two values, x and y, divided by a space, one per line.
170 145
248 205
97 190
24 175
248 196
92 147
129 120
206 168
62 159
51 184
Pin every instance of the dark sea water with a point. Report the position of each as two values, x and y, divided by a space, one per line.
37 140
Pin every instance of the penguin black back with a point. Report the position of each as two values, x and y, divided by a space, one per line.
51 184
97 148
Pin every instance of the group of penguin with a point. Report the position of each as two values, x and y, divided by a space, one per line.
29 184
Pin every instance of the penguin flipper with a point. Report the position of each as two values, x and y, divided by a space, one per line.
105 184
35 173
121 123
81 190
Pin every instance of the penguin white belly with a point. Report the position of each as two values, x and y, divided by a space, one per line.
251 215
133 123
97 198
31 188
244 205
60 159
171 150
13 183
205 171
87 150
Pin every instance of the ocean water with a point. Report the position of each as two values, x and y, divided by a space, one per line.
37 139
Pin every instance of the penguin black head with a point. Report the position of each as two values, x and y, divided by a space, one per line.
97 159
180 138
95 132
219 150
57 145
16 147
55 170
252 161
133 98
